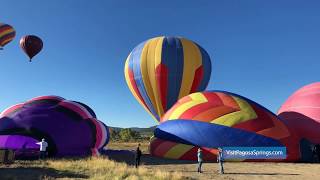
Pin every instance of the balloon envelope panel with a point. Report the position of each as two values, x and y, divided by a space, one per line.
161 70
68 127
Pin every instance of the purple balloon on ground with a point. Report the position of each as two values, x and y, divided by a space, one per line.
69 127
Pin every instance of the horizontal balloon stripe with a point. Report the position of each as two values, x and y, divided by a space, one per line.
197 133
211 101
179 110
214 113
181 151
7 34
165 146
177 151
167 115
4 32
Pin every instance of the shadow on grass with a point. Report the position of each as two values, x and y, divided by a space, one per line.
36 173
265 174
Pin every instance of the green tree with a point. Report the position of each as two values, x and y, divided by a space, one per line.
128 134
114 135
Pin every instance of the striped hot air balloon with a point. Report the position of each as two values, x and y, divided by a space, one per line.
161 70
213 119
7 34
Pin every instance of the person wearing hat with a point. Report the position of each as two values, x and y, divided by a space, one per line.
43 148
199 155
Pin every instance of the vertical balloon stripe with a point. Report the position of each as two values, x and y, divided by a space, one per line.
132 84
162 82
153 61
206 64
197 79
172 57
192 61
134 64
145 74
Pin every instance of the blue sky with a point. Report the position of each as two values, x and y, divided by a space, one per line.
264 50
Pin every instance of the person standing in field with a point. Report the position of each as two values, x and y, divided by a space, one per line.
200 160
43 148
220 161
138 156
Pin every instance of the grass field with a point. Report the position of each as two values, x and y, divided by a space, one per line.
90 168
152 168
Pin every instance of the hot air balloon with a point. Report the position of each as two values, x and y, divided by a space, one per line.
31 45
69 127
161 70
7 34
301 113
212 119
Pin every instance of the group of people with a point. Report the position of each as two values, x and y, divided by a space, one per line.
219 160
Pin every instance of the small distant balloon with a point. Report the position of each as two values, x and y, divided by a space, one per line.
31 45
7 34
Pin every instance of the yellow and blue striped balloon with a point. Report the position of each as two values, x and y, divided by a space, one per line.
161 70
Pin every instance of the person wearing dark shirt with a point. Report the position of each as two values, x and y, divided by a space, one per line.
138 156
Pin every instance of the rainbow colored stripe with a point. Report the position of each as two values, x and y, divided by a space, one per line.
161 70
7 34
